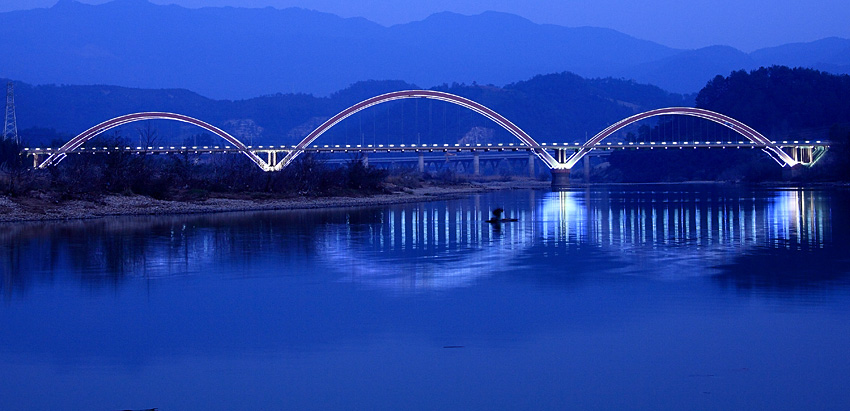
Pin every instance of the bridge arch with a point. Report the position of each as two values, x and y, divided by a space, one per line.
429 94
62 152
751 134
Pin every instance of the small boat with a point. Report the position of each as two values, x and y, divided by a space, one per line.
497 217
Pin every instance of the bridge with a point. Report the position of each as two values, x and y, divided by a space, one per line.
558 158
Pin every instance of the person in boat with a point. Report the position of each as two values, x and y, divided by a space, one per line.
497 217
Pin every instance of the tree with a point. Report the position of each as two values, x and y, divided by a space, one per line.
12 163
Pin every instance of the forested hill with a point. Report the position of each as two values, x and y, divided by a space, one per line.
780 101
554 107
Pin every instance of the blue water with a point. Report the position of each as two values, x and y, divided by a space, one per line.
655 297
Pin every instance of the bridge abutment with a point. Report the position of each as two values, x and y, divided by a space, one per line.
560 178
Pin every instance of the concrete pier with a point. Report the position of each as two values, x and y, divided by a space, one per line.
560 178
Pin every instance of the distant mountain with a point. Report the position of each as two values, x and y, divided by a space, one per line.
555 107
241 52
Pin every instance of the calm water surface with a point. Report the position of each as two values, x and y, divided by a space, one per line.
657 297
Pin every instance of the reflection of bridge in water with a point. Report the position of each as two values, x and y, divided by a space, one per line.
656 232
435 245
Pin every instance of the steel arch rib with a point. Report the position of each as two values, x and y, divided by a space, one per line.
429 94
93 132
751 134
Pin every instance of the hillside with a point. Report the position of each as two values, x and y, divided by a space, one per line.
238 53
555 107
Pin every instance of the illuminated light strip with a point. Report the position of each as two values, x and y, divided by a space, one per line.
718 118
429 94
93 132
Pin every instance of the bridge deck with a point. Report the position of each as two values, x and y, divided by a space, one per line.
434 147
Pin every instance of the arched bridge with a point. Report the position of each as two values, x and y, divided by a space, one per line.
566 156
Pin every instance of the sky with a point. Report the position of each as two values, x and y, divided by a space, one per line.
744 24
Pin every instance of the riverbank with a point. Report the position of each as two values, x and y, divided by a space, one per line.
41 209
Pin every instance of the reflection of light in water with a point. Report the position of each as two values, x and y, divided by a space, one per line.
563 217
796 215
427 247
663 234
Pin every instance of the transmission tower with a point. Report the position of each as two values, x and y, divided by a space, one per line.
10 131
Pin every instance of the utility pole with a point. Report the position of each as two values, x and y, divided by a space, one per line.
10 130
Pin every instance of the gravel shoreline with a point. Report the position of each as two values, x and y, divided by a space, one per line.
20 210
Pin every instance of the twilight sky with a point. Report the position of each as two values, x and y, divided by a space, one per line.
745 24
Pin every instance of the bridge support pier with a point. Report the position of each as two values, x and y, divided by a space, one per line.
586 161
792 172
421 162
365 160
531 165
476 164
560 179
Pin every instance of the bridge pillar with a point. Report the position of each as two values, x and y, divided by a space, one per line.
560 178
365 159
35 160
421 162
586 163
531 165
792 172
476 163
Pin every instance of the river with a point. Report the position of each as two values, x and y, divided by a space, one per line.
643 297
